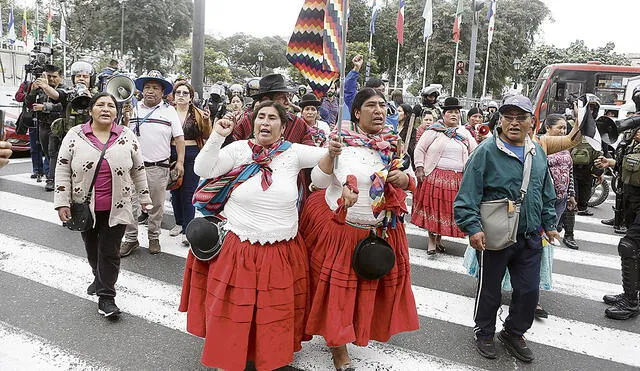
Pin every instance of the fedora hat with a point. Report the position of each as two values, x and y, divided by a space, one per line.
451 103
309 100
373 258
205 235
154 75
273 83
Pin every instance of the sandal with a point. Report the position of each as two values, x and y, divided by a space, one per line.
440 247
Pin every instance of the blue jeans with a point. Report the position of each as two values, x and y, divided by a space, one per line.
39 166
181 198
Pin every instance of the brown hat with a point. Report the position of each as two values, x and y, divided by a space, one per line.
273 83
309 100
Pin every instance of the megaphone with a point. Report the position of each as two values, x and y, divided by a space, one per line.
121 87
607 129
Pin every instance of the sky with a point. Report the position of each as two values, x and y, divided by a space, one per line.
588 20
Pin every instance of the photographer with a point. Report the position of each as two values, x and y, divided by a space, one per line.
626 166
47 101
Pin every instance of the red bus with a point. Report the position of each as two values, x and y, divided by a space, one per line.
557 82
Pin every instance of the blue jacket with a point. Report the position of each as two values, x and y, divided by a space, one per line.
350 91
494 172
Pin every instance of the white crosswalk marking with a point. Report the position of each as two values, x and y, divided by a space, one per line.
583 340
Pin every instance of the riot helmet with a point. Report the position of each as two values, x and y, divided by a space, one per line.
83 67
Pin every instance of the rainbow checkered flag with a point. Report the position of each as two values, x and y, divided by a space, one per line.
316 42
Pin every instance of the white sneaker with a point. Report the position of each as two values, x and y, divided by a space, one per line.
185 242
175 230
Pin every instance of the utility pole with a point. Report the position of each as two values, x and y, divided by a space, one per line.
197 52
477 7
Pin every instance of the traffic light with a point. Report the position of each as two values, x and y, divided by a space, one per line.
460 68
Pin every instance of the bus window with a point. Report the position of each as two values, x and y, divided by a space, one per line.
562 91
610 88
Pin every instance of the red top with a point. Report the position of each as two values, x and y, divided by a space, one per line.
102 189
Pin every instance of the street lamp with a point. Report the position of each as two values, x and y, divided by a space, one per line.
516 67
260 60
477 6
121 29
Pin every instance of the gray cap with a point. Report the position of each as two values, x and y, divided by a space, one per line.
517 101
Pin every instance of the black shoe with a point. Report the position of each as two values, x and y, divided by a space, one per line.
39 178
620 230
143 218
91 290
612 299
49 186
585 212
431 252
107 307
624 309
34 175
608 221
486 347
516 346
540 312
570 242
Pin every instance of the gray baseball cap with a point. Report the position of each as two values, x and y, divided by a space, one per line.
517 101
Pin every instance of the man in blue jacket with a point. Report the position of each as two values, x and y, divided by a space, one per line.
495 171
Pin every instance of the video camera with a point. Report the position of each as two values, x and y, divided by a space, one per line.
38 59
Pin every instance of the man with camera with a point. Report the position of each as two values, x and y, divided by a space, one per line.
626 165
47 100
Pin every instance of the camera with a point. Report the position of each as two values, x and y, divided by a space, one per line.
38 59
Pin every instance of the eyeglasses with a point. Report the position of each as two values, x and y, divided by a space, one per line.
181 93
519 118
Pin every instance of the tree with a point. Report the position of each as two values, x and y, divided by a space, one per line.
214 69
577 52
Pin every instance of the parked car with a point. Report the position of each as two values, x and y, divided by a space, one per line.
11 110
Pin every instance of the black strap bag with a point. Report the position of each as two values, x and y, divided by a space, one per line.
81 218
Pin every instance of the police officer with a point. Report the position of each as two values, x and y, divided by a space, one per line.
78 98
627 163
429 99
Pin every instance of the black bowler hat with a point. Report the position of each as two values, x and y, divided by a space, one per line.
373 258
273 83
451 103
309 100
205 235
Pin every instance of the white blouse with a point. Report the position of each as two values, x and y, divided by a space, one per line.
253 214
362 163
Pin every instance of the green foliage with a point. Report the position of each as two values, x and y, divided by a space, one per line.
544 55
214 69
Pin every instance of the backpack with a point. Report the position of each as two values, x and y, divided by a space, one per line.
582 154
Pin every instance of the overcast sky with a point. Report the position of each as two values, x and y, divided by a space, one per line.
595 21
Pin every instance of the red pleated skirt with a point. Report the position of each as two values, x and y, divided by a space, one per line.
432 207
249 303
345 308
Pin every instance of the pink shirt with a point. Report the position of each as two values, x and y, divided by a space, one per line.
102 189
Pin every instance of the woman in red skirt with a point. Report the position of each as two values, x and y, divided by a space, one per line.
440 156
346 308
251 301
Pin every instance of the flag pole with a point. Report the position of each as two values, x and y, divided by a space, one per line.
343 65
424 69
486 67
369 56
455 62
397 63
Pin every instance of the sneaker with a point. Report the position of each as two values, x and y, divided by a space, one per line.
608 221
585 212
143 218
516 346
540 312
154 246
34 175
185 242
612 299
570 242
620 230
624 309
175 230
91 290
127 247
39 178
486 347
107 307
49 185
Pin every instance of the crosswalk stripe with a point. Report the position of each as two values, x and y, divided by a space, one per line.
19 160
157 302
22 350
569 285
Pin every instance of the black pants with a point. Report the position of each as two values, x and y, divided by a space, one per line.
102 244
583 181
523 261
50 147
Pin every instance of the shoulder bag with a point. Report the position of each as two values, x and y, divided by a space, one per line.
81 218
500 218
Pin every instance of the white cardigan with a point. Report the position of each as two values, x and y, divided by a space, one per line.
253 214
